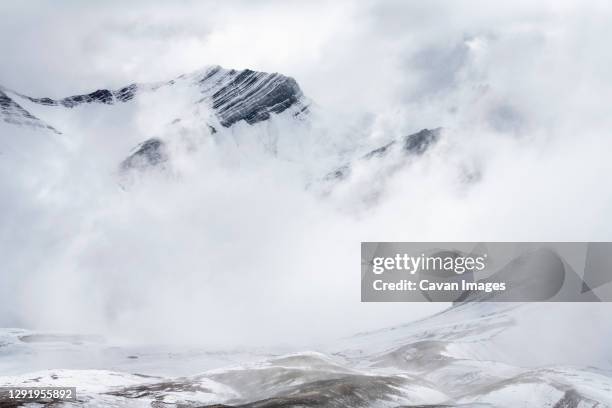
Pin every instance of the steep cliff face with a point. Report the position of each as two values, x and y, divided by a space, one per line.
253 96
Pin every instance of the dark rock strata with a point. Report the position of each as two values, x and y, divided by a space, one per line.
100 96
414 144
13 113
149 153
235 96
252 96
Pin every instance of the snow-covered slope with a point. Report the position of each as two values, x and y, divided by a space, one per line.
192 109
473 355
11 112
142 126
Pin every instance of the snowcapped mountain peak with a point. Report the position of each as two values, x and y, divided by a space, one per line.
248 95
148 115
234 95
146 125
252 96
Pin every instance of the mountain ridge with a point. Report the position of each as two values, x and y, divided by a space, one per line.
234 96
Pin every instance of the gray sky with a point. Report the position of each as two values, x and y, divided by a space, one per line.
395 50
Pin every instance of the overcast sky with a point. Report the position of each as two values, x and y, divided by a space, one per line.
393 49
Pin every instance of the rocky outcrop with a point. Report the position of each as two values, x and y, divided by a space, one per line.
13 113
252 96
149 153
100 96
414 144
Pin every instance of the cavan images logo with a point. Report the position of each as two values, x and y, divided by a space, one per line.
490 272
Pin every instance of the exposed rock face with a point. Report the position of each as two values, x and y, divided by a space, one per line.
252 96
11 112
149 153
414 144
235 96
419 142
100 96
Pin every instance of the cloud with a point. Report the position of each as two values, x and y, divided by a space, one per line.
229 246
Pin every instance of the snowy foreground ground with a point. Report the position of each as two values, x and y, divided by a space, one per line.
473 355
